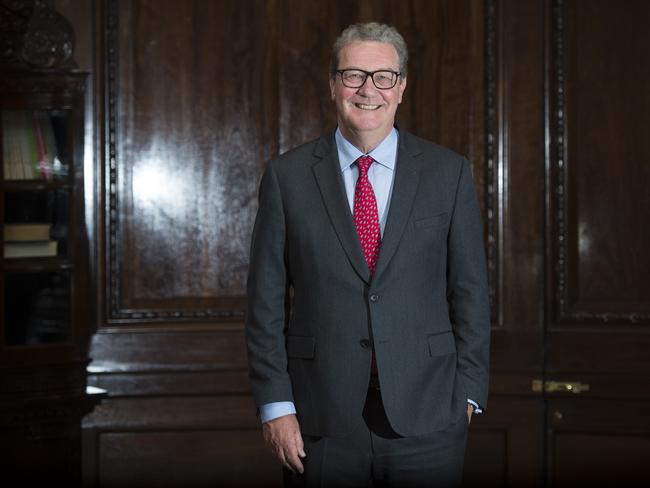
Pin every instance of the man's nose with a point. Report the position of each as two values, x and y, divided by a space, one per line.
367 87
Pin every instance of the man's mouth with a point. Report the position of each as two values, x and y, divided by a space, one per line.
364 106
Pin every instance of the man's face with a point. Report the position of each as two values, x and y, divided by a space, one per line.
367 108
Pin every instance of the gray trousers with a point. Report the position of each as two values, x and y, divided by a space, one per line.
373 454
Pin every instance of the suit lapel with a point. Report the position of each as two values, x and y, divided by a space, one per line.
404 190
327 171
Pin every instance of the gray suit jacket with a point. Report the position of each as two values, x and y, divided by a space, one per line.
313 306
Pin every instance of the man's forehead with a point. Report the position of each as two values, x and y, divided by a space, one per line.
369 50
374 46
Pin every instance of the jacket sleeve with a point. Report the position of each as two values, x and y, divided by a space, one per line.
467 290
266 294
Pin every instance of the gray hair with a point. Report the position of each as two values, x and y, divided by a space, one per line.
370 31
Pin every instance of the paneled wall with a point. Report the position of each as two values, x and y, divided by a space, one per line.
598 290
548 99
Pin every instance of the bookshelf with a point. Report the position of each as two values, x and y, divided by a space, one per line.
44 268
38 238
46 311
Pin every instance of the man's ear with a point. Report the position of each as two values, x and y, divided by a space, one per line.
332 83
402 87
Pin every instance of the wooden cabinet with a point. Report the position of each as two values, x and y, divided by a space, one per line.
44 285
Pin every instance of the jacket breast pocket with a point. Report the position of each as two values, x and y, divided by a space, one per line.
441 344
430 221
301 347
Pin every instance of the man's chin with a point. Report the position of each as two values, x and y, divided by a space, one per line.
367 126
366 121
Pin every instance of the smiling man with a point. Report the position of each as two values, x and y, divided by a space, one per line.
368 317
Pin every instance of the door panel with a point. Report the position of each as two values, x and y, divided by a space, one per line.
505 446
598 289
598 442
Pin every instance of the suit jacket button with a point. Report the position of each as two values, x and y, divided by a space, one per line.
365 343
374 298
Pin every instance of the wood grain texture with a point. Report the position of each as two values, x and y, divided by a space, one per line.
169 350
598 442
597 288
201 94
192 131
224 458
504 448
131 440
206 92
601 170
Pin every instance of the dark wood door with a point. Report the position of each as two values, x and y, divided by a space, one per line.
598 290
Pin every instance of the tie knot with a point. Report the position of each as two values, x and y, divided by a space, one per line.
364 163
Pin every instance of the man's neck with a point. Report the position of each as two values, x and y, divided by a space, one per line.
364 141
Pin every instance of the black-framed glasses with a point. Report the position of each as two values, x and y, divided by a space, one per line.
355 78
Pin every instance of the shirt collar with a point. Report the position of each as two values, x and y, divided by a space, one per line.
385 153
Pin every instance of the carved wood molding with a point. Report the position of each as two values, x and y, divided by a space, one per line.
113 274
33 35
491 156
565 313
66 87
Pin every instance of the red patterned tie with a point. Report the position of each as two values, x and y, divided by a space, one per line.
366 220
366 217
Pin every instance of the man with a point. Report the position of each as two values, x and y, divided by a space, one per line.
368 320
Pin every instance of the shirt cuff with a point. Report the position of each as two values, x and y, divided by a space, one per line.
271 411
477 409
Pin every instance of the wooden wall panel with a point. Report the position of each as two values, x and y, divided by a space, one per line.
176 440
601 109
598 442
549 100
304 106
196 97
605 458
598 292
505 447
188 150
599 296
203 458
517 212
199 96
169 350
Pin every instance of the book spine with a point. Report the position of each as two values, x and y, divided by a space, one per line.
50 144
41 149
5 147
31 169
11 149
24 127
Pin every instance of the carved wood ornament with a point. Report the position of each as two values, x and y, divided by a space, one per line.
33 35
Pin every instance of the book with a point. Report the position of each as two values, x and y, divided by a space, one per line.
30 146
34 249
27 232
10 146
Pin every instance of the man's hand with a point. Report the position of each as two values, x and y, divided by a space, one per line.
282 437
470 411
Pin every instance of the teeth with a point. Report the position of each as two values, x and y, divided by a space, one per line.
367 107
